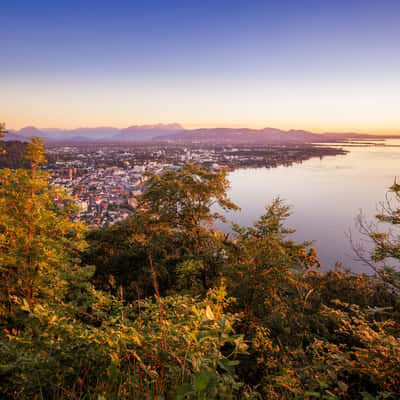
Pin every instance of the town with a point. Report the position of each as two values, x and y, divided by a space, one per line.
106 180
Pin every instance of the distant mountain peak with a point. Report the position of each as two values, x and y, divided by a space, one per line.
29 129
175 132
164 127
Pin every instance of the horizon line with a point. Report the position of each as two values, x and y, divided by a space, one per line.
188 127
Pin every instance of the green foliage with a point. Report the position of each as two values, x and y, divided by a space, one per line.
174 224
61 338
295 349
35 153
178 310
11 152
12 155
2 130
387 244
39 243
384 259
362 361
147 349
265 268
182 199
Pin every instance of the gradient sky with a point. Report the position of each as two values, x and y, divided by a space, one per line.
321 65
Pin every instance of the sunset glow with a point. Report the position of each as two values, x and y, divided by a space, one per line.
321 66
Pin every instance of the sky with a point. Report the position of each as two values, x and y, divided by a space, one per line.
326 65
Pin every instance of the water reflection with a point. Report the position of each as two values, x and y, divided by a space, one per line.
326 195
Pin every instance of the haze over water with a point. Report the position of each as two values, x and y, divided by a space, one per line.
326 195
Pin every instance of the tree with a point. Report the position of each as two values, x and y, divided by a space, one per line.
2 134
382 254
182 199
61 338
2 130
264 269
174 225
309 334
39 244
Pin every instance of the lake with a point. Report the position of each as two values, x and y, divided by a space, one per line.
326 196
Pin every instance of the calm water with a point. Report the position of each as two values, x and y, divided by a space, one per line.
326 195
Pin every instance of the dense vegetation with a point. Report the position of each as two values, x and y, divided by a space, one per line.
164 305
12 155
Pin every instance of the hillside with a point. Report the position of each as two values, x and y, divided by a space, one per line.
244 135
163 305
176 133
13 156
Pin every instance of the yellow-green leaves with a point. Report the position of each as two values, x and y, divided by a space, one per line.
209 313
35 153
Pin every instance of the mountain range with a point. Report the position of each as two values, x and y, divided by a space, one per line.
177 133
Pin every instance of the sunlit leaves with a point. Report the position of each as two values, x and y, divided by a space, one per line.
242 316
39 243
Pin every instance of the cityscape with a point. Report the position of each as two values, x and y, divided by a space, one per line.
107 179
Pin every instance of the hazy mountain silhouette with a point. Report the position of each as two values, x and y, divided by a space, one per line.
11 136
147 132
29 132
175 132
244 135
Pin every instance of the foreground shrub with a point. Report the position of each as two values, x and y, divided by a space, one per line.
148 349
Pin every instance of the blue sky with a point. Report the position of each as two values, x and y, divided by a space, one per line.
321 65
